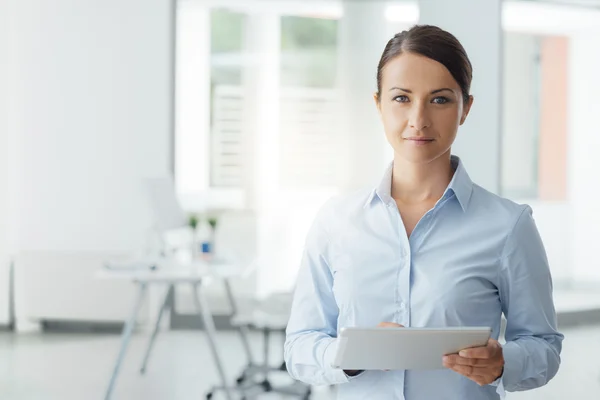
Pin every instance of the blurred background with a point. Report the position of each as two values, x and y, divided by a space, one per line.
130 127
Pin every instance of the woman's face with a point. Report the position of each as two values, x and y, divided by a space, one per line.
421 106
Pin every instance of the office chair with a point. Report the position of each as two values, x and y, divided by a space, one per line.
269 315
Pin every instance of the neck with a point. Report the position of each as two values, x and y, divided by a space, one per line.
418 183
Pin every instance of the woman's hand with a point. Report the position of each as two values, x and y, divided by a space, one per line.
352 372
482 365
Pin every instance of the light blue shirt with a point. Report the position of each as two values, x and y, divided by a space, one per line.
469 259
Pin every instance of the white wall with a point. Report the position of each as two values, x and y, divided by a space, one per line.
583 161
5 71
93 88
90 98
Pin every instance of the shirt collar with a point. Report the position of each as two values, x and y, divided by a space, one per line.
460 185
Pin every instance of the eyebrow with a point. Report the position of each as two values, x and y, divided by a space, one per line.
433 92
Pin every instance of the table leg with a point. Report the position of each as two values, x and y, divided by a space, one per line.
163 308
125 338
242 330
209 326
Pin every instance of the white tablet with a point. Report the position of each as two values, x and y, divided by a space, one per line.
403 348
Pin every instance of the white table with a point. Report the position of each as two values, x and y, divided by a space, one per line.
171 273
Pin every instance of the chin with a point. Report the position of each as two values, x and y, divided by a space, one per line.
419 156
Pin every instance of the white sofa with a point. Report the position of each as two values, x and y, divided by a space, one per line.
53 285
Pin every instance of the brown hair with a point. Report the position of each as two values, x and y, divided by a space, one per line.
434 43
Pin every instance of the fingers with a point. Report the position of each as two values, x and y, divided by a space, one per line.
468 371
477 352
454 359
481 380
481 376
481 352
480 364
480 370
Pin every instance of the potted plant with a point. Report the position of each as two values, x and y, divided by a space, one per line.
193 221
212 222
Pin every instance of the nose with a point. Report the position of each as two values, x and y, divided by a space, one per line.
419 117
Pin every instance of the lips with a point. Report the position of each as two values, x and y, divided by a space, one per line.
420 140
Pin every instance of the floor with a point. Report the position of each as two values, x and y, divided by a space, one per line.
76 367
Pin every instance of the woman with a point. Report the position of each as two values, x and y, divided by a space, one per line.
426 248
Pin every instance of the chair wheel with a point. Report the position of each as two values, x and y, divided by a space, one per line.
241 379
209 396
266 385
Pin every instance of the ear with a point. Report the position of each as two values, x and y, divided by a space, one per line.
377 102
466 108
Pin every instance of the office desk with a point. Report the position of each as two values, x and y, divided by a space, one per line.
172 273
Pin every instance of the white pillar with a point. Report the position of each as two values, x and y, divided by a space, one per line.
583 173
261 108
261 118
363 34
477 24
192 118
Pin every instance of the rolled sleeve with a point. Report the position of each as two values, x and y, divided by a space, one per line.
513 363
513 367
532 351
337 375
499 385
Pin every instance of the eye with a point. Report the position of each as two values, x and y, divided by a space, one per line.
440 100
401 99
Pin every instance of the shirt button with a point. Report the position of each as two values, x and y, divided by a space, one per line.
402 305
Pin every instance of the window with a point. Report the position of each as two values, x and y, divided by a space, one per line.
535 117
308 52
272 79
209 69
226 100
308 103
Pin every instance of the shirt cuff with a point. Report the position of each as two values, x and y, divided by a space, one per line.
499 385
513 367
514 363
334 375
